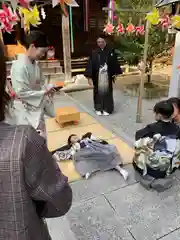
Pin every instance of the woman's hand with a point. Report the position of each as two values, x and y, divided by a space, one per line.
50 91
113 78
90 81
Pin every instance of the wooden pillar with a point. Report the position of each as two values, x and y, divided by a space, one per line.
66 48
1 37
2 43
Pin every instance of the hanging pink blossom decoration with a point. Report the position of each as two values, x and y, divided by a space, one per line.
114 17
130 28
8 19
140 30
109 28
120 28
24 3
165 21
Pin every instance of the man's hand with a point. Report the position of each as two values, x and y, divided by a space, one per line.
113 78
90 81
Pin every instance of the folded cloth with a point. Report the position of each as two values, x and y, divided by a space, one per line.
96 157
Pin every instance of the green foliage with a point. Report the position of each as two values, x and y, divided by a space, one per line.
130 47
138 5
157 42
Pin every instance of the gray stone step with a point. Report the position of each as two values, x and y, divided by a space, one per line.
60 229
45 70
43 64
49 68
49 63
55 77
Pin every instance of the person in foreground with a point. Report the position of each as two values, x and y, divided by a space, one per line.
32 186
157 149
33 97
176 104
101 70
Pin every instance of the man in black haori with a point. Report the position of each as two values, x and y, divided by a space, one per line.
101 70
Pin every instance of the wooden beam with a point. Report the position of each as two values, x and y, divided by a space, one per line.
66 48
106 9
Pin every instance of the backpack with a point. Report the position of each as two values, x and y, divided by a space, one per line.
160 153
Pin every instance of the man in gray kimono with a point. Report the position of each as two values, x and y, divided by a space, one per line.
32 96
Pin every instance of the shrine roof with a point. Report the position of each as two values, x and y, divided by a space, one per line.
161 3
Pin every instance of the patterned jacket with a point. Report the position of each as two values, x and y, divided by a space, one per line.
31 185
158 153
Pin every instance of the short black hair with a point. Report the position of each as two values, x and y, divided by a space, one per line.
69 139
164 108
37 38
175 101
103 36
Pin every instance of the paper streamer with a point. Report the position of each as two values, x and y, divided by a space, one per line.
70 3
71 29
31 16
55 3
86 23
153 17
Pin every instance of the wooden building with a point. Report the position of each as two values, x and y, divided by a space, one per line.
84 40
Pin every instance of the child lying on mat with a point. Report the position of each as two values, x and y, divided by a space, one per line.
90 155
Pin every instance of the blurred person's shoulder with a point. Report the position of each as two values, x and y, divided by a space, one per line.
21 134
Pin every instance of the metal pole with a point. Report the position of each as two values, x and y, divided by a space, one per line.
143 75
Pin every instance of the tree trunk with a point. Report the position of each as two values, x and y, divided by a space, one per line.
149 71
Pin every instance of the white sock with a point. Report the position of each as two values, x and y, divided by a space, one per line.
56 157
98 113
123 172
87 175
105 113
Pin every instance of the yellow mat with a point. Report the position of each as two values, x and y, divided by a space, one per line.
57 137
68 169
124 149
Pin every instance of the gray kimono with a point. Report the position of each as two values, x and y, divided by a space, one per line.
29 86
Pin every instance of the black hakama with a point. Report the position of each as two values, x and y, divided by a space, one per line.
103 101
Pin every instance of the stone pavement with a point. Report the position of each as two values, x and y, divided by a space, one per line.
106 207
